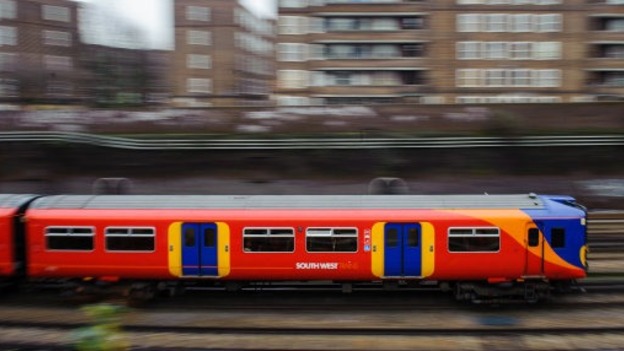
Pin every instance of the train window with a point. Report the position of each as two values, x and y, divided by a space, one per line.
392 237
269 240
412 237
189 237
533 237
130 239
210 237
557 238
474 239
331 240
69 238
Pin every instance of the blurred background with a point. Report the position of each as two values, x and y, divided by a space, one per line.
313 96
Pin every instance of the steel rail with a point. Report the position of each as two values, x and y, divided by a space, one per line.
311 143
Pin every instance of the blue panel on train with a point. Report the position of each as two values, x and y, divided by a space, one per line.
402 245
199 249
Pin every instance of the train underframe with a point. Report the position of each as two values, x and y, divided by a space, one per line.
478 292
530 291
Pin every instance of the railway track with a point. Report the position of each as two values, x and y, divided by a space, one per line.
480 330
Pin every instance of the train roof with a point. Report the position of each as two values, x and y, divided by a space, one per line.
250 202
14 200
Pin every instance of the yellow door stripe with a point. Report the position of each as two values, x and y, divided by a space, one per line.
377 255
223 241
174 248
428 249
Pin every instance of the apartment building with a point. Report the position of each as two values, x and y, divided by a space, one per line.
449 51
39 47
224 55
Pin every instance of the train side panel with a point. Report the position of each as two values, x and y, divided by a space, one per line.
7 256
72 244
364 245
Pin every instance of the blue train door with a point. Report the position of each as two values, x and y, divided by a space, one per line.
199 249
402 253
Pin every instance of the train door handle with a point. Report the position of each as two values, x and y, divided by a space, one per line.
374 248
431 248
227 248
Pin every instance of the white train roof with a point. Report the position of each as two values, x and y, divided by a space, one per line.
526 201
14 200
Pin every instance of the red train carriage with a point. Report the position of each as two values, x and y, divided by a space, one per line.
484 245
11 238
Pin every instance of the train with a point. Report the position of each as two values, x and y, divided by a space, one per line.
483 247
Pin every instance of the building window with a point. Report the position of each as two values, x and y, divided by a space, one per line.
292 25
8 35
412 23
293 3
8 9
470 22
474 239
495 50
292 79
469 77
57 63
548 23
522 22
508 78
547 78
496 22
290 52
521 77
70 238
331 240
199 85
269 240
469 50
198 13
547 50
198 37
520 50
195 61
55 13
130 239
495 78
56 38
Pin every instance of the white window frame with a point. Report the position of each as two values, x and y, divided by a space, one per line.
8 36
465 76
68 231
292 25
548 23
197 61
293 79
8 9
292 52
199 85
58 63
469 22
469 50
496 22
129 233
55 13
199 37
57 38
198 13
495 50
